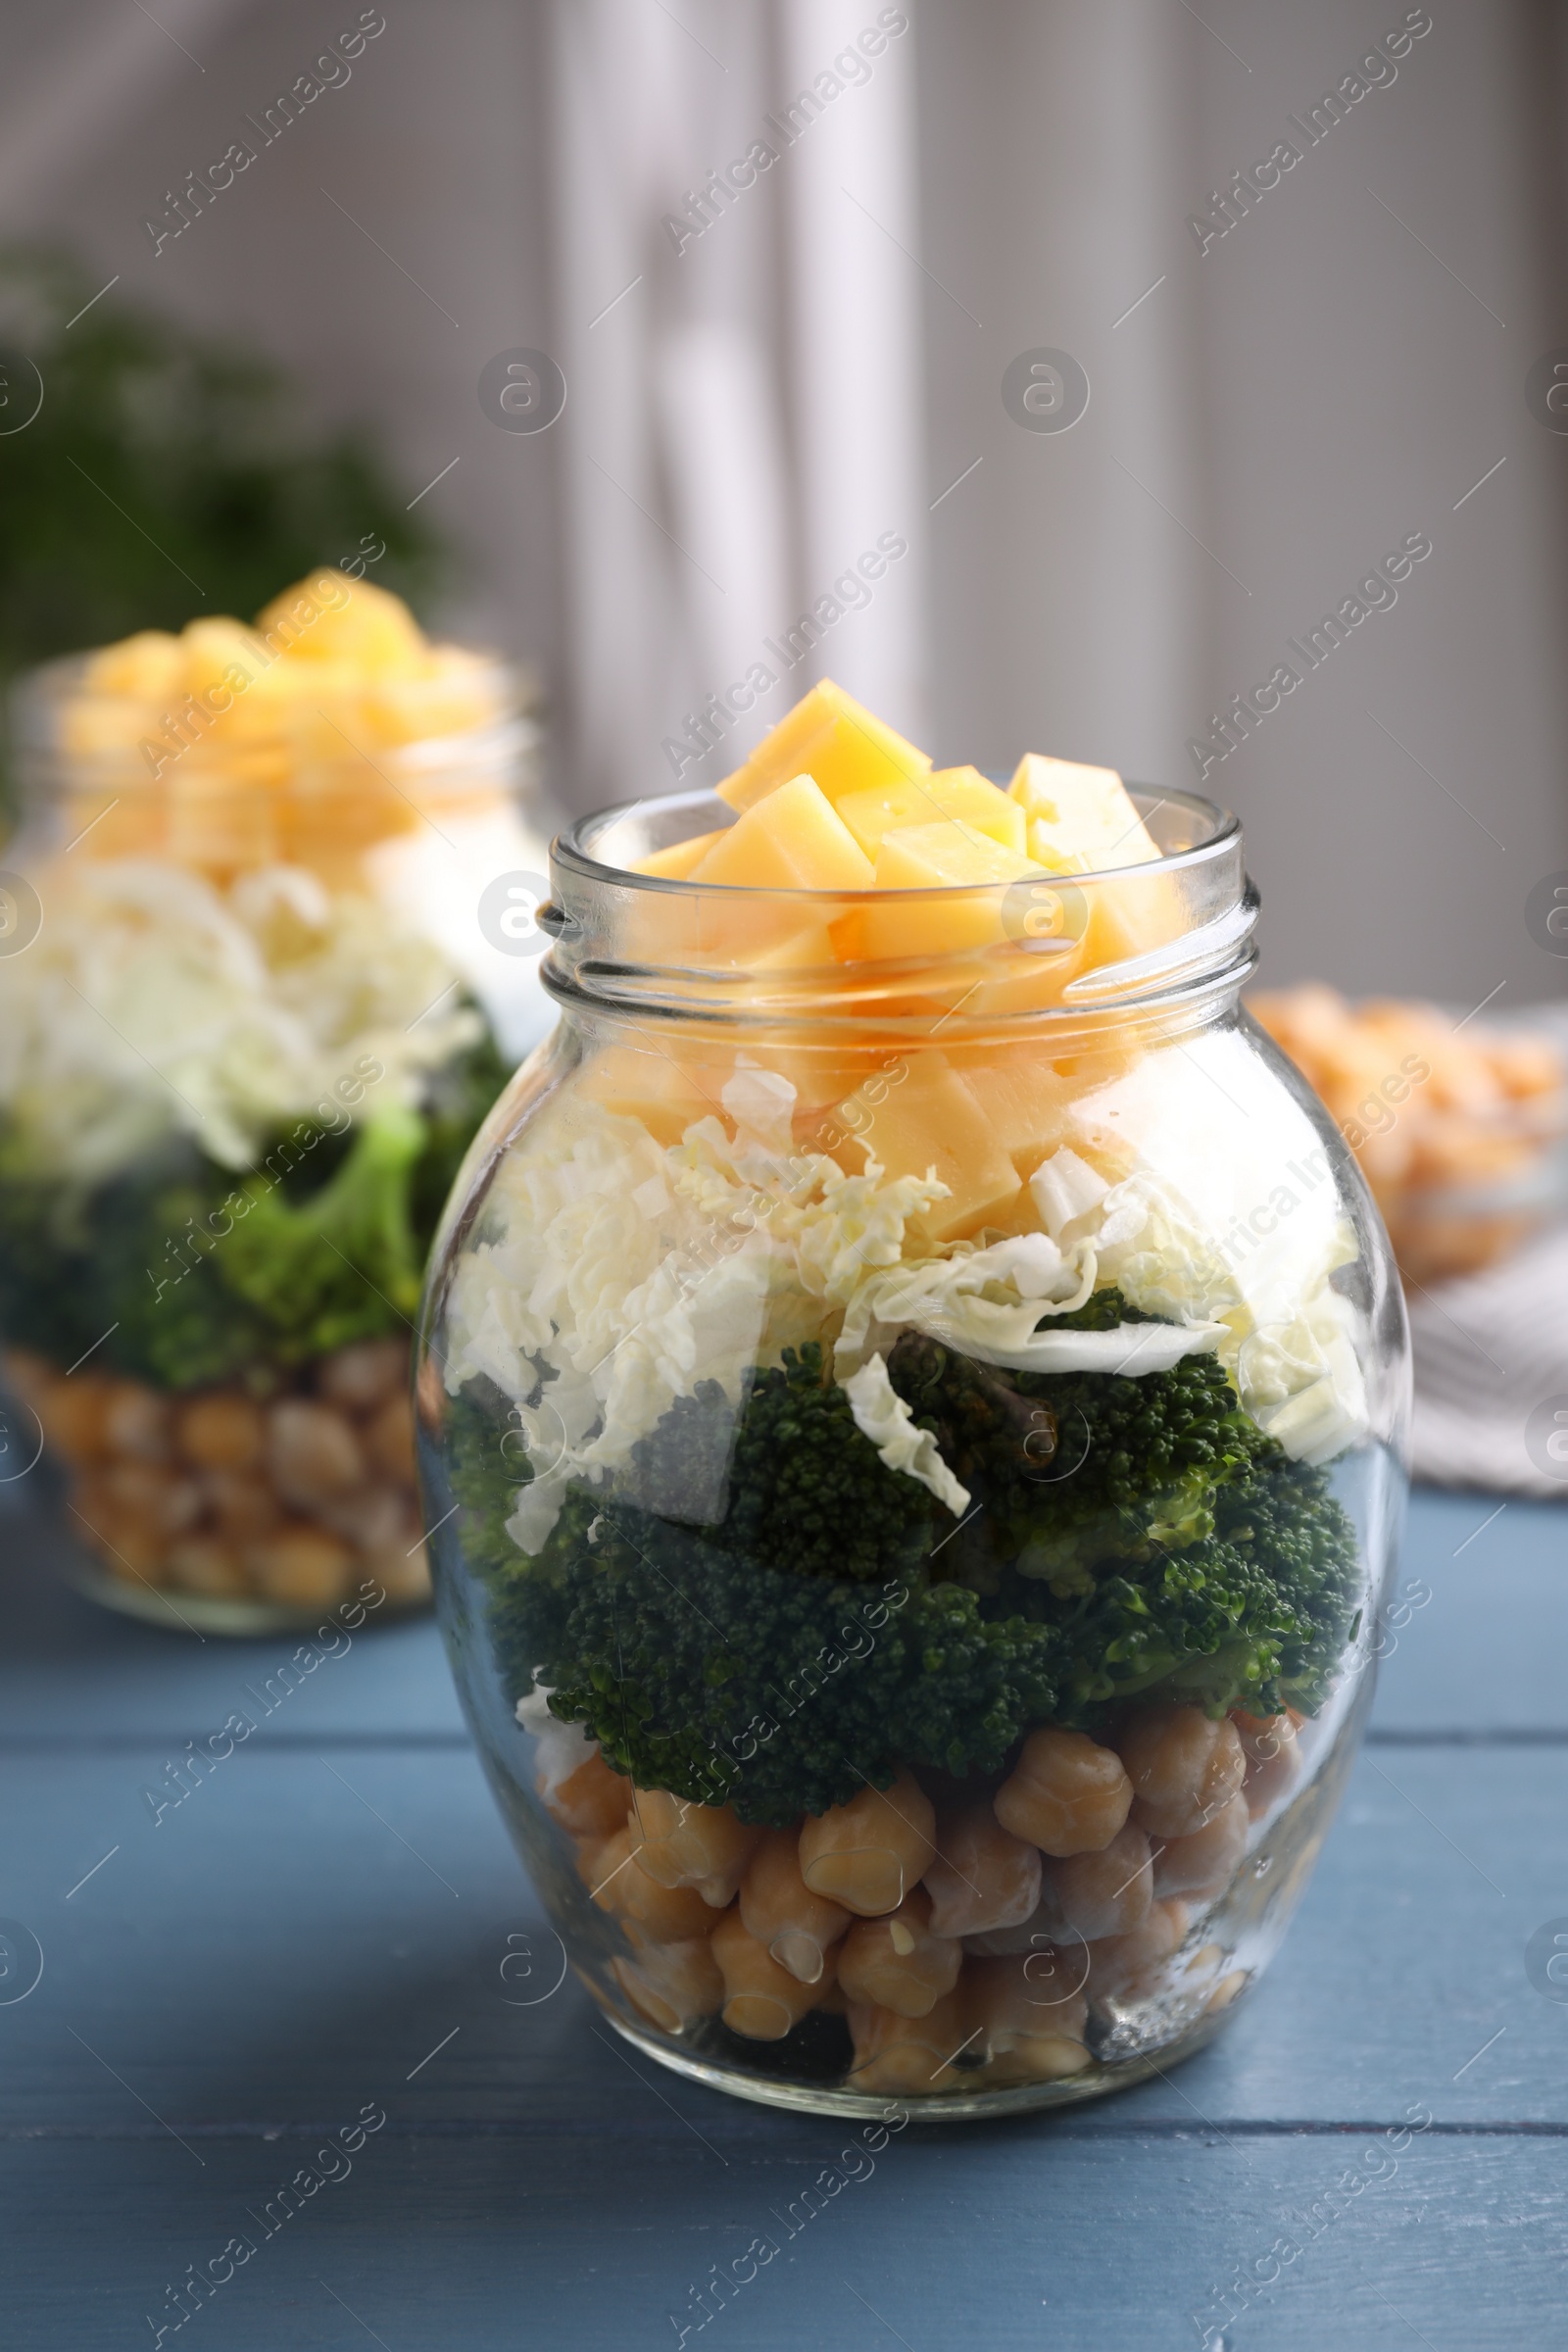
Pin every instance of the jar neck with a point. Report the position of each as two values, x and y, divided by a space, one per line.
1155 948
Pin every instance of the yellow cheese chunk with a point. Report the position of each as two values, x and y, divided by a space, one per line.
830 737
150 664
918 1118
1080 819
957 792
946 856
792 840
329 617
1026 1102
665 1095
676 863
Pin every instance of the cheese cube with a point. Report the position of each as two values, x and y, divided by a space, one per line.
676 863
918 1118
828 735
1080 819
792 840
960 792
1027 1103
948 855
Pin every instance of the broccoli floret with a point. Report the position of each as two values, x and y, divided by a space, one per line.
1254 1615
327 1270
811 1492
731 1683
208 1275
1075 1469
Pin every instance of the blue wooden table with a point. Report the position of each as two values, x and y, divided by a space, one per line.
331 1929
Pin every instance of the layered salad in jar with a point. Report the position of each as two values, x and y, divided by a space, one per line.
929 1541
247 1025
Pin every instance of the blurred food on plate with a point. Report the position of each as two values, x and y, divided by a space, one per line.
1458 1128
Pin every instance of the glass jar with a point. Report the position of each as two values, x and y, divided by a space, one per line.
913 1397
249 1020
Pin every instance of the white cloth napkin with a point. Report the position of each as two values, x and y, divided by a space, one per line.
1490 1351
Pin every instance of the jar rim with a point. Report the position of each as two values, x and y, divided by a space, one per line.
573 848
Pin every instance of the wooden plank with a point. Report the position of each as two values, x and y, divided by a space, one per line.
304 1925
74 1671
1029 2236
1488 1652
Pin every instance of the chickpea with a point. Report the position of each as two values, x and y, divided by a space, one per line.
311 1452
404 1577
136 1422
1045 1924
430 1397
1105 1894
300 1567
222 1432
682 1844
389 1440
761 2000
147 1491
1031 2020
127 1542
1182 1767
672 1984
798 1928
902 2055
72 1412
589 1801
242 1505
983 1877
1129 1967
360 1376
28 1377
1205 1864
896 1962
1273 1759
868 1854
1067 1794
662 1914
206 1564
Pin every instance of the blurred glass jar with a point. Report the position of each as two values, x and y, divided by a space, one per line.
917 1445
251 1013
